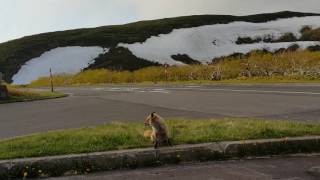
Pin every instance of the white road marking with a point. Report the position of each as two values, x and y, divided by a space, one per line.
250 90
129 89
164 91
167 90
193 86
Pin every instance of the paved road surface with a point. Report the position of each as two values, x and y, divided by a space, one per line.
89 106
263 169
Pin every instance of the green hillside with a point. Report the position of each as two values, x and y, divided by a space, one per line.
14 54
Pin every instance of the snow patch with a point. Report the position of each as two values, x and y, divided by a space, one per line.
207 42
68 60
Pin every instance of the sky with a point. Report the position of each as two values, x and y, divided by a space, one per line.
19 18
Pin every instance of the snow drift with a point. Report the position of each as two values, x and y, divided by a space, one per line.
69 60
207 42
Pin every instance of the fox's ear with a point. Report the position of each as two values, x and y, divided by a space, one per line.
152 114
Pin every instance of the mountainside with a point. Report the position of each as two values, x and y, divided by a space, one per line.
182 40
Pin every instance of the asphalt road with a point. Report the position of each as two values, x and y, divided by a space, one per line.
295 168
90 106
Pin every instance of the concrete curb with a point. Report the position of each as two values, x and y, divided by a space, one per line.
135 158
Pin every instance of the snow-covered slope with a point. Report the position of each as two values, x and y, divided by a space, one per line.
202 43
60 60
207 42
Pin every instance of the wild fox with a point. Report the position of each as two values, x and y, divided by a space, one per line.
159 134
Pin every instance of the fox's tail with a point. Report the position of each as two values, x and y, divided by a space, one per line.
148 134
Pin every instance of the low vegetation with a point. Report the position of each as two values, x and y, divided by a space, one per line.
287 66
118 136
21 95
307 34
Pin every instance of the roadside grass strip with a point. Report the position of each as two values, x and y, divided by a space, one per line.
22 95
129 135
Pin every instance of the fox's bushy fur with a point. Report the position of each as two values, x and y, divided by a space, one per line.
159 134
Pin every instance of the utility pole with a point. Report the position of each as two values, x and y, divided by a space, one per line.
166 72
51 80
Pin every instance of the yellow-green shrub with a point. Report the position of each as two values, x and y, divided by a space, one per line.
289 65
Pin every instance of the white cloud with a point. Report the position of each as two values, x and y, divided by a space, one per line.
169 8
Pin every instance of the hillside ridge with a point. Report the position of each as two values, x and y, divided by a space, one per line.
15 53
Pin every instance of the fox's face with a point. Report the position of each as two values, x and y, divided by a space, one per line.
148 120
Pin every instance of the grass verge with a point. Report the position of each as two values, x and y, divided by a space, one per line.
22 95
118 136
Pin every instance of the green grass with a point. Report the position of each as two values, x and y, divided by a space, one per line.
22 95
118 136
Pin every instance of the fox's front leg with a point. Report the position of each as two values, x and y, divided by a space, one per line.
154 140
156 144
